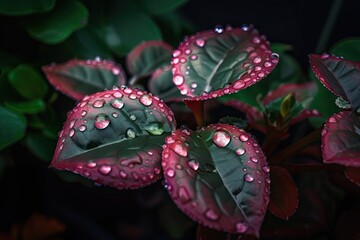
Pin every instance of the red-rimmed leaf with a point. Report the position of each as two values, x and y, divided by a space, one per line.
78 78
146 57
341 139
213 63
341 77
161 84
115 138
219 177
353 174
284 197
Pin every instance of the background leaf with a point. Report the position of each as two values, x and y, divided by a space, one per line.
19 7
30 107
157 7
12 127
348 48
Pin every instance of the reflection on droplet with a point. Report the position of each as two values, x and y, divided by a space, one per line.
91 164
101 121
146 100
72 132
176 53
257 60
332 120
105 169
221 138
118 104
117 95
193 164
248 177
178 80
266 168
243 137
240 151
169 140
254 159
211 215
115 115
200 42
83 113
123 174
98 103
219 29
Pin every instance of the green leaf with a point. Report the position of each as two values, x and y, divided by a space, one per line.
20 7
348 49
57 25
127 27
41 146
157 7
30 107
222 171
147 57
115 138
12 127
28 82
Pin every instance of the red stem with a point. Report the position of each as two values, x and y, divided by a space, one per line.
197 107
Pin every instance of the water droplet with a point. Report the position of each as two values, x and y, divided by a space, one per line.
130 133
241 227
170 172
72 132
180 149
200 42
194 85
261 75
118 104
182 60
169 140
240 151
72 123
127 90
266 168
83 113
248 177
257 68
146 100
102 121
256 40
132 96
239 85
275 55
176 53
179 167
267 64
117 95
187 51
184 91
115 71
211 215
268 180
98 103
115 115
132 117
83 104
193 164
257 60
123 174
82 128
332 120
105 169
183 195
221 138
243 137
155 128
178 80
219 29
157 171
135 176
245 28
91 164
254 159
324 132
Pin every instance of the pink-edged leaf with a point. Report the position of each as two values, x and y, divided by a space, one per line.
305 115
341 77
161 85
284 197
213 63
115 138
302 92
218 176
148 56
341 139
78 78
254 117
353 174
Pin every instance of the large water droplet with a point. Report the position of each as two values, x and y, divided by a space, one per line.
221 138
102 121
241 227
130 133
275 55
118 104
146 100
155 128
105 169
211 215
240 151
170 173
248 177
183 195
99 103
178 80
193 164
180 149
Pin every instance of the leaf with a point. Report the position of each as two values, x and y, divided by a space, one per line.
341 77
341 139
157 7
40 145
126 27
19 7
57 25
29 107
283 197
115 138
12 127
213 63
146 57
353 174
218 176
348 48
161 84
28 82
78 78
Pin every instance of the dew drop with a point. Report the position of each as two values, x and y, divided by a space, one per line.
98 103
146 100
72 132
102 121
91 164
266 168
169 140
132 117
267 64
187 51
184 91
118 104
239 85
83 113
248 177
254 159
193 57
157 171
115 115
130 133
256 40
243 137
127 90
200 42
257 60
240 151
211 215
241 227
180 149
193 164
245 28
324 132
221 138
176 53
183 195
170 173
117 95
105 169
332 120
115 71
178 80
82 128
123 174
275 55
194 85
257 68
219 29
132 96
72 123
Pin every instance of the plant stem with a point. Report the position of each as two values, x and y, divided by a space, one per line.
307 167
197 107
329 25
296 147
